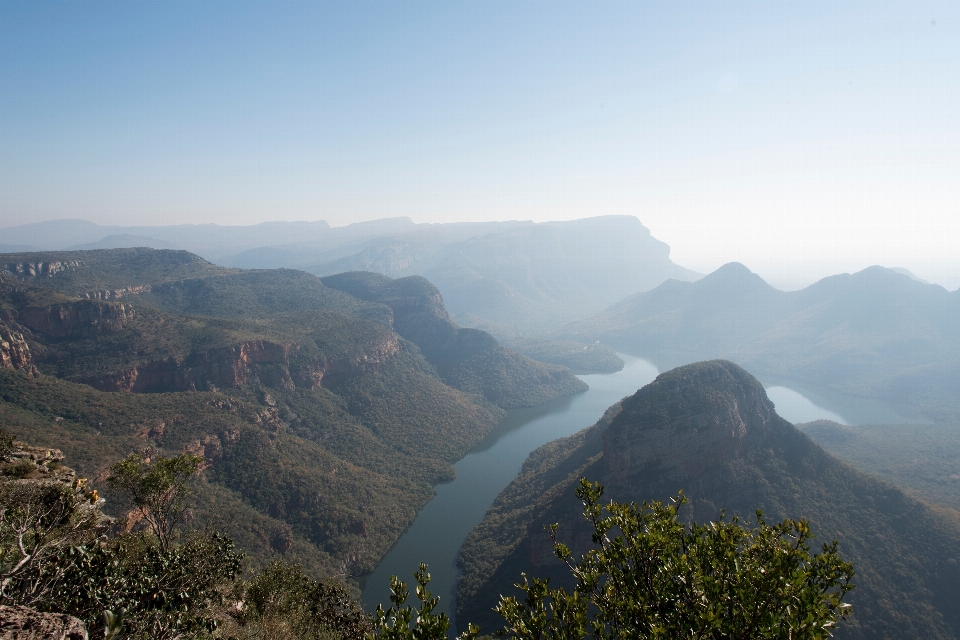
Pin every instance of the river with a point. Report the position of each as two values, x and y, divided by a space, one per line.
442 525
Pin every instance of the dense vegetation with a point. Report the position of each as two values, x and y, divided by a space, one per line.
580 358
60 554
650 575
468 359
322 430
924 459
905 553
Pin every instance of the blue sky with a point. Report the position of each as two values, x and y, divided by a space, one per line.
800 138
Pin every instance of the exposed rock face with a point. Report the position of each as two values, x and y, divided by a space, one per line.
38 269
42 464
116 294
21 623
685 422
273 364
14 350
77 319
467 359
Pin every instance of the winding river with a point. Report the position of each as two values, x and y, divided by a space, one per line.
441 527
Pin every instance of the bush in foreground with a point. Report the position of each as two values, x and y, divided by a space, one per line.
651 576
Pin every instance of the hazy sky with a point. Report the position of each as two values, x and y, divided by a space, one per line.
786 135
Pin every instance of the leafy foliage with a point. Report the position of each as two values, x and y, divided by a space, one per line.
402 622
133 584
282 602
39 521
158 489
651 576
905 553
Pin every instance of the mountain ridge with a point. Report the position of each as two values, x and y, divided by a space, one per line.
873 334
709 429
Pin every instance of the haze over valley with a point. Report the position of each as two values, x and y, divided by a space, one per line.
342 321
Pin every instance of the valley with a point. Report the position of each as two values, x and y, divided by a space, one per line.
350 424
323 429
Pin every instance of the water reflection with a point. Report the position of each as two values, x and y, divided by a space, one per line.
796 407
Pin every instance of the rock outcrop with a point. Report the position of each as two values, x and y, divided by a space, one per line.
709 430
83 319
274 365
467 359
22 623
686 422
116 294
42 268
14 350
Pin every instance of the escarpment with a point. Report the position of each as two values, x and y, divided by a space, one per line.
41 268
82 319
116 294
468 359
266 362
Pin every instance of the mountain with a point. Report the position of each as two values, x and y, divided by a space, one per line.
529 276
874 334
210 240
507 278
710 430
323 429
467 359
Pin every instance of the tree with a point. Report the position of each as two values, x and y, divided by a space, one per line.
282 603
158 489
402 622
651 576
144 591
40 520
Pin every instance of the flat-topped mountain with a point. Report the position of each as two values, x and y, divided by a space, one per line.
323 428
503 277
876 333
710 430
532 275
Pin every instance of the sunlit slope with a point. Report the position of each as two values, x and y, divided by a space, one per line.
710 430
875 333
468 359
323 429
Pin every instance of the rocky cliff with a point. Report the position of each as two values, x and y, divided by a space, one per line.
14 350
41 268
270 363
81 319
684 425
467 359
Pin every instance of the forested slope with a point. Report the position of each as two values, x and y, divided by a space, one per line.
322 429
710 430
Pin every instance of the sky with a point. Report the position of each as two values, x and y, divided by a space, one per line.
800 138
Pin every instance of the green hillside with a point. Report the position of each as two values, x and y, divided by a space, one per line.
709 429
923 459
323 431
468 359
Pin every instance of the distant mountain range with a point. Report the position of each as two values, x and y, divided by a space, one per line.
505 277
710 430
325 418
874 334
